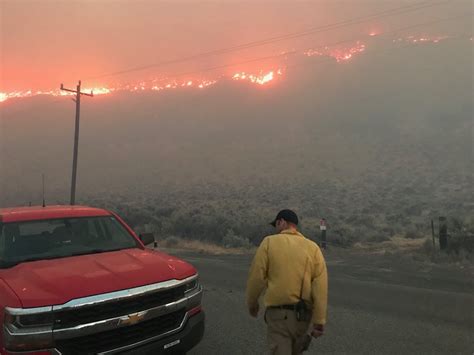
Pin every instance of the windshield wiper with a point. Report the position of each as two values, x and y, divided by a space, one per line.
94 251
11 263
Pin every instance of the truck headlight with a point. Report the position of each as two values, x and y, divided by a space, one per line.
24 319
193 294
192 285
35 320
28 329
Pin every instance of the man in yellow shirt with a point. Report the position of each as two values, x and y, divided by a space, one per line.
292 270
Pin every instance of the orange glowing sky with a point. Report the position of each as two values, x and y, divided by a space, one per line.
263 78
45 43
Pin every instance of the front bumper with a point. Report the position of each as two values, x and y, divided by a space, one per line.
178 343
116 335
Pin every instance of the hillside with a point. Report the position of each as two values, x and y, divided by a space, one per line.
378 146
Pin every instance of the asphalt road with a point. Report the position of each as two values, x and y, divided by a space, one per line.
377 305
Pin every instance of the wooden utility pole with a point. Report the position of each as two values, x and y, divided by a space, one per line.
76 137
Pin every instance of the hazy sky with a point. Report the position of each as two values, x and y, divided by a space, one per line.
44 42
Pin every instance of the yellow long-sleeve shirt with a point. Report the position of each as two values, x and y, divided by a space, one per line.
282 263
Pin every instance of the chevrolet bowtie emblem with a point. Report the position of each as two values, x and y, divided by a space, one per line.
131 319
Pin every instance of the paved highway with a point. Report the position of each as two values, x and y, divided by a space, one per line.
377 305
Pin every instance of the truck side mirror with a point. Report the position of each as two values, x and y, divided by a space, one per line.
147 238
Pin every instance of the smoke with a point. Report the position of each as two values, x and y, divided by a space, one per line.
389 114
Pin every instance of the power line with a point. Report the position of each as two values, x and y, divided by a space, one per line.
312 31
297 51
388 50
276 39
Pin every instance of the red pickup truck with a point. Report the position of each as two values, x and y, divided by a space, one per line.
78 280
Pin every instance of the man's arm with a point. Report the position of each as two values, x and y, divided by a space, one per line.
319 289
257 280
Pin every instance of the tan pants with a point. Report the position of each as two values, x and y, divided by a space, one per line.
284 332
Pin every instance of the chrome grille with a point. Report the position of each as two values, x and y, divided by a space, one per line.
120 337
88 314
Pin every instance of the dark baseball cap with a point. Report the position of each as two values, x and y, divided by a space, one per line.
287 215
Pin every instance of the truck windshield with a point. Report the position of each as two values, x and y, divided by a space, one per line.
58 238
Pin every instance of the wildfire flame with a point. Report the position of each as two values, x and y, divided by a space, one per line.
416 40
98 91
340 55
260 78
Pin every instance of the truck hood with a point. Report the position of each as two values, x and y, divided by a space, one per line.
57 281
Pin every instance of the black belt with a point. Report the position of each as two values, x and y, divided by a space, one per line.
291 307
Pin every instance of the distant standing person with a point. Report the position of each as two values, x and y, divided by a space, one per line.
322 228
293 271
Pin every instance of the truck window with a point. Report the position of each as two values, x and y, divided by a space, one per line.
56 238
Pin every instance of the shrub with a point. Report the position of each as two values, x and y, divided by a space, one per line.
413 234
171 241
339 240
456 251
428 247
377 238
461 244
231 240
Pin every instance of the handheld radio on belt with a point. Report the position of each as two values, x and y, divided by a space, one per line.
302 311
